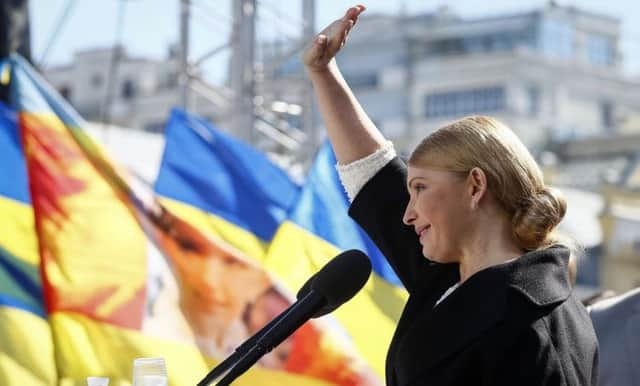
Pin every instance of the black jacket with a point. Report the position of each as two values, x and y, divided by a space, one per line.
512 324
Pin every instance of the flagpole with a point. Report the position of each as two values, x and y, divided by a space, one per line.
184 54
14 28
14 37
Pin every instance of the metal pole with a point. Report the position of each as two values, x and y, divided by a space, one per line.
308 124
14 28
410 119
5 49
112 74
14 35
242 69
184 54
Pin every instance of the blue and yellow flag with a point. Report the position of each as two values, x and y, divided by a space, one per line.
95 231
215 182
97 270
319 228
222 184
26 346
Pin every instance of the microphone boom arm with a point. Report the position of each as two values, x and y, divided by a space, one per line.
295 317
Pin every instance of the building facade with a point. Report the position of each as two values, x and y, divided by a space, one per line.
621 230
606 170
552 74
138 95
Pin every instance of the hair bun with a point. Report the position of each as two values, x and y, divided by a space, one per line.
536 217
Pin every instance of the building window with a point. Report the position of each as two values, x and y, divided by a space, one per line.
172 80
556 38
362 80
154 127
96 80
482 100
128 89
446 47
606 113
533 100
65 91
495 42
599 50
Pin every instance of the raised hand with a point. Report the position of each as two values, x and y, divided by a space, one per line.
330 40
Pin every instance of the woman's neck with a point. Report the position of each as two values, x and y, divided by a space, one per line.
492 244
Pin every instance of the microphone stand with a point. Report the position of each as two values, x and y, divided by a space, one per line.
240 352
320 295
294 317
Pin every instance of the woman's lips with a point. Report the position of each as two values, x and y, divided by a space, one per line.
423 230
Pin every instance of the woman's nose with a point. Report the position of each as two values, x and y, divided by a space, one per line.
409 215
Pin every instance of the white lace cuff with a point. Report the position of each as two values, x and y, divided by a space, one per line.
356 174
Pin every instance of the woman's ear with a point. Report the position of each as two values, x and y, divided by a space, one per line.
477 182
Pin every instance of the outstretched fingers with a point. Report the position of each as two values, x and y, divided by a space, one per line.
339 30
339 35
330 40
353 12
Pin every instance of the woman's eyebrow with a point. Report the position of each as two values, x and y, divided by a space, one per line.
413 179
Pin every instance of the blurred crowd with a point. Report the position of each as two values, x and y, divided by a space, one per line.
616 320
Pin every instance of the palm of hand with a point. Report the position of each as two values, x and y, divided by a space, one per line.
330 40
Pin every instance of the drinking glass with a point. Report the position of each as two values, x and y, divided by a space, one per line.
149 372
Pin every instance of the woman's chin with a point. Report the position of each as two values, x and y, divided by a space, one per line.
436 257
426 252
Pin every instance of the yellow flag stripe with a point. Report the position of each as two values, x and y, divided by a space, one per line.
241 239
17 232
379 303
26 349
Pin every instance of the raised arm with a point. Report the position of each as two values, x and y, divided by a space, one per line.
352 134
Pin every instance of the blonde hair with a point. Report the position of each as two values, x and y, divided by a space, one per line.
513 176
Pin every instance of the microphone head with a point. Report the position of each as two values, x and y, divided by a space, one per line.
306 287
339 280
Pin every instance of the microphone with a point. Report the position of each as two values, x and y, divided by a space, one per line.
242 350
337 282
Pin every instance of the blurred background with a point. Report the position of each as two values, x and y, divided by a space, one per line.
564 75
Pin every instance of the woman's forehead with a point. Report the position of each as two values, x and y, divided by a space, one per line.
426 173
415 171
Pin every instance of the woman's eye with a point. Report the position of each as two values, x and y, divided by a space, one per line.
419 187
